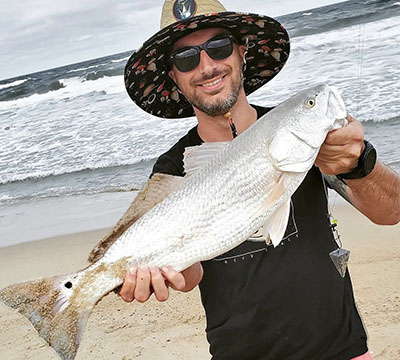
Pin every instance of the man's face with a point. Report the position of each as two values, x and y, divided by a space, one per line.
213 86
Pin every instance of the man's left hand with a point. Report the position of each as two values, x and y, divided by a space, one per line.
340 152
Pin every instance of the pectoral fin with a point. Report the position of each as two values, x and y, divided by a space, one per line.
274 228
156 189
277 223
277 213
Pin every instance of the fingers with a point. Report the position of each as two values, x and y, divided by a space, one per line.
128 288
353 131
334 160
341 149
143 279
159 286
176 279
140 283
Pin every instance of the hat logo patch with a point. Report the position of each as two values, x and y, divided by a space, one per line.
184 9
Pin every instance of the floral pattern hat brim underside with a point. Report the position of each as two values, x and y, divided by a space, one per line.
146 72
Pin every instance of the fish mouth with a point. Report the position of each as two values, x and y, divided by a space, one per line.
336 109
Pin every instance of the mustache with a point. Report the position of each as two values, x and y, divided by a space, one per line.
215 72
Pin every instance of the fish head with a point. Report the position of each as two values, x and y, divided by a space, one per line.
317 111
304 121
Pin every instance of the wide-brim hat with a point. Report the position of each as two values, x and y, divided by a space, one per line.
146 72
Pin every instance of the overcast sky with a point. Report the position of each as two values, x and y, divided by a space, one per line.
42 34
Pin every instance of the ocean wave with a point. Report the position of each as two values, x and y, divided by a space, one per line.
356 14
8 200
64 89
95 75
14 83
55 173
387 121
84 68
20 92
119 60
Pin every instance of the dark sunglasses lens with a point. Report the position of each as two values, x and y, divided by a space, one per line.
186 60
220 49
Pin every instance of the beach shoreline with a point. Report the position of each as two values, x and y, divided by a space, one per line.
51 217
176 329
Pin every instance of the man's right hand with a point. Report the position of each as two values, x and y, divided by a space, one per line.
141 282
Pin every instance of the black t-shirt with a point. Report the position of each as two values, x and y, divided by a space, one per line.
283 303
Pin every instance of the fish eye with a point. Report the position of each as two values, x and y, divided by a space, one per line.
310 103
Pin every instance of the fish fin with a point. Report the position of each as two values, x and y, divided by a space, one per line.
155 190
277 223
195 157
279 213
47 304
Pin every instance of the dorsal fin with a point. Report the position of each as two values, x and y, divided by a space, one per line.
155 190
195 157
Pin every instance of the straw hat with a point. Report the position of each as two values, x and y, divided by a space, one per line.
146 72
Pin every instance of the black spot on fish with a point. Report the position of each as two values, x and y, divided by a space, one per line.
68 285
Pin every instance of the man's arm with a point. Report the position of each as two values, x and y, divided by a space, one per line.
378 194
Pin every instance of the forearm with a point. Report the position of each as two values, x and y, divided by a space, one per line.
377 195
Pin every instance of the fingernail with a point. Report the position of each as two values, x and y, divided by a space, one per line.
153 270
164 269
132 271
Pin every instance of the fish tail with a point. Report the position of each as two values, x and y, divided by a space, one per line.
53 307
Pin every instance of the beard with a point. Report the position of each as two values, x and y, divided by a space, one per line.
221 105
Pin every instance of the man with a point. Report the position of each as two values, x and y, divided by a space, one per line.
261 302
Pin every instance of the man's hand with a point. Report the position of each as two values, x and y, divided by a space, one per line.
340 152
141 282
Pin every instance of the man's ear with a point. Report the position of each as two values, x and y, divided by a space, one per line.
242 50
172 75
242 53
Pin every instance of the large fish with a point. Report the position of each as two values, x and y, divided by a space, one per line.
230 191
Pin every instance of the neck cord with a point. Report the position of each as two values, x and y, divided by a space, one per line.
228 116
339 256
332 220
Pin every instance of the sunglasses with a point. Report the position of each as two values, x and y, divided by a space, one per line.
218 48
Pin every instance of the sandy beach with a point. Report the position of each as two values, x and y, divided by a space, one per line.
175 329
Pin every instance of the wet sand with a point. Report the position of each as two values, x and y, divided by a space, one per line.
175 329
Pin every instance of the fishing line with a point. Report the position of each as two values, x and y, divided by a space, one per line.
360 58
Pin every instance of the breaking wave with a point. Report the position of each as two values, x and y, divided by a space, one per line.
101 168
12 84
64 88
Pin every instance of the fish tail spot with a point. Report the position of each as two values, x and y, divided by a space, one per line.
49 305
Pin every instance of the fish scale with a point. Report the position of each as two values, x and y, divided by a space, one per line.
228 217
236 188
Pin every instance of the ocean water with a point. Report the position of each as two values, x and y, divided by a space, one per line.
73 131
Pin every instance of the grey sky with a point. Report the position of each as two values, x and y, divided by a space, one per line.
42 34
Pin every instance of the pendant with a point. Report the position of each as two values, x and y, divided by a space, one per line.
340 258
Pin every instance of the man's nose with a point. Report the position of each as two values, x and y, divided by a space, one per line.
206 62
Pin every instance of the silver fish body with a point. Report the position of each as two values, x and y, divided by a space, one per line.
243 185
228 198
